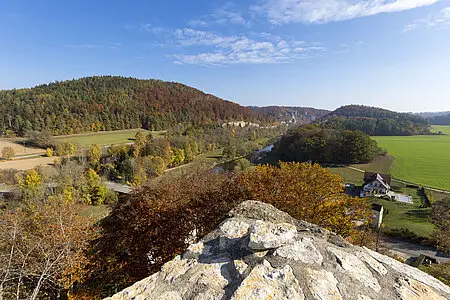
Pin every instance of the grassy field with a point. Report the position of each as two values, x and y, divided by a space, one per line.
440 128
104 138
411 217
424 160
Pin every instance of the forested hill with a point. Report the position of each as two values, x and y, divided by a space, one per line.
288 114
375 121
114 103
440 120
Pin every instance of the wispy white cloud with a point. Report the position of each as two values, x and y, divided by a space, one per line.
224 15
324 11
239 49
437 20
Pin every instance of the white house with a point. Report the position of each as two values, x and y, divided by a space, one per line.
375 183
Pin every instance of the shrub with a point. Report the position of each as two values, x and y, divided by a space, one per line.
7 152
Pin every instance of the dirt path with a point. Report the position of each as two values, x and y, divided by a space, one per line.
26 164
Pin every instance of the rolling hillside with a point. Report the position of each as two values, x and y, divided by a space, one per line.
115 103
375 121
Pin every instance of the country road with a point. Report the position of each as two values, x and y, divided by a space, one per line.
410 249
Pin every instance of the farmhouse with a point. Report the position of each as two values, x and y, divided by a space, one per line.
375 183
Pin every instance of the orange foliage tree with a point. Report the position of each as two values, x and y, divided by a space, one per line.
307 192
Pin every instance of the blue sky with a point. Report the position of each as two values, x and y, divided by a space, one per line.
321 53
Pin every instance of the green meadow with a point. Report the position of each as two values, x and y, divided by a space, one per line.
423 160
440 128
104 138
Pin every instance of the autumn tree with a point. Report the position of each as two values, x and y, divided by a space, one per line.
440 216
166 214
94 153
307 192
7 152
31 184
49 152
230 151
42 249
66 148
188 154
178 157
95 191
139 143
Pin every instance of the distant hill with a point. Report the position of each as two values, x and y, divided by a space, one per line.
375 121
429 115
440 119
114 103
288 114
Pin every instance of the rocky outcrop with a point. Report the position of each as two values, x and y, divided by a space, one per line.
263 253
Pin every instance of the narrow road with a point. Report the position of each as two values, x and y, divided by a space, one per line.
118 187
410 249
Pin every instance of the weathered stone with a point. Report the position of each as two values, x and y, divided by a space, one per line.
177 267
265 282
169 295
373 263
200 248
356 268
323 285
410 271
209 295
216 275
266 235
308 264
302 250
240 266
234 228
410 289
261 254
144 287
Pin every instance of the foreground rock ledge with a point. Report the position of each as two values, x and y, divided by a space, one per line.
263 253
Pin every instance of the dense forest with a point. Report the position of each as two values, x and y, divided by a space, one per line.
440 120
114 103
321 145
375 121
288 114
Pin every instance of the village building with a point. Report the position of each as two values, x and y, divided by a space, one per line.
376 184
377 216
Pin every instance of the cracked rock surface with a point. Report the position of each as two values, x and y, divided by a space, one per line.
260 252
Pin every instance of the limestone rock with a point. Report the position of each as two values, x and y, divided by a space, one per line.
266 235
323 285
409 289
355 268
302 250
265 282
263 253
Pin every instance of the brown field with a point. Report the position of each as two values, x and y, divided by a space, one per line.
26 164
19 149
